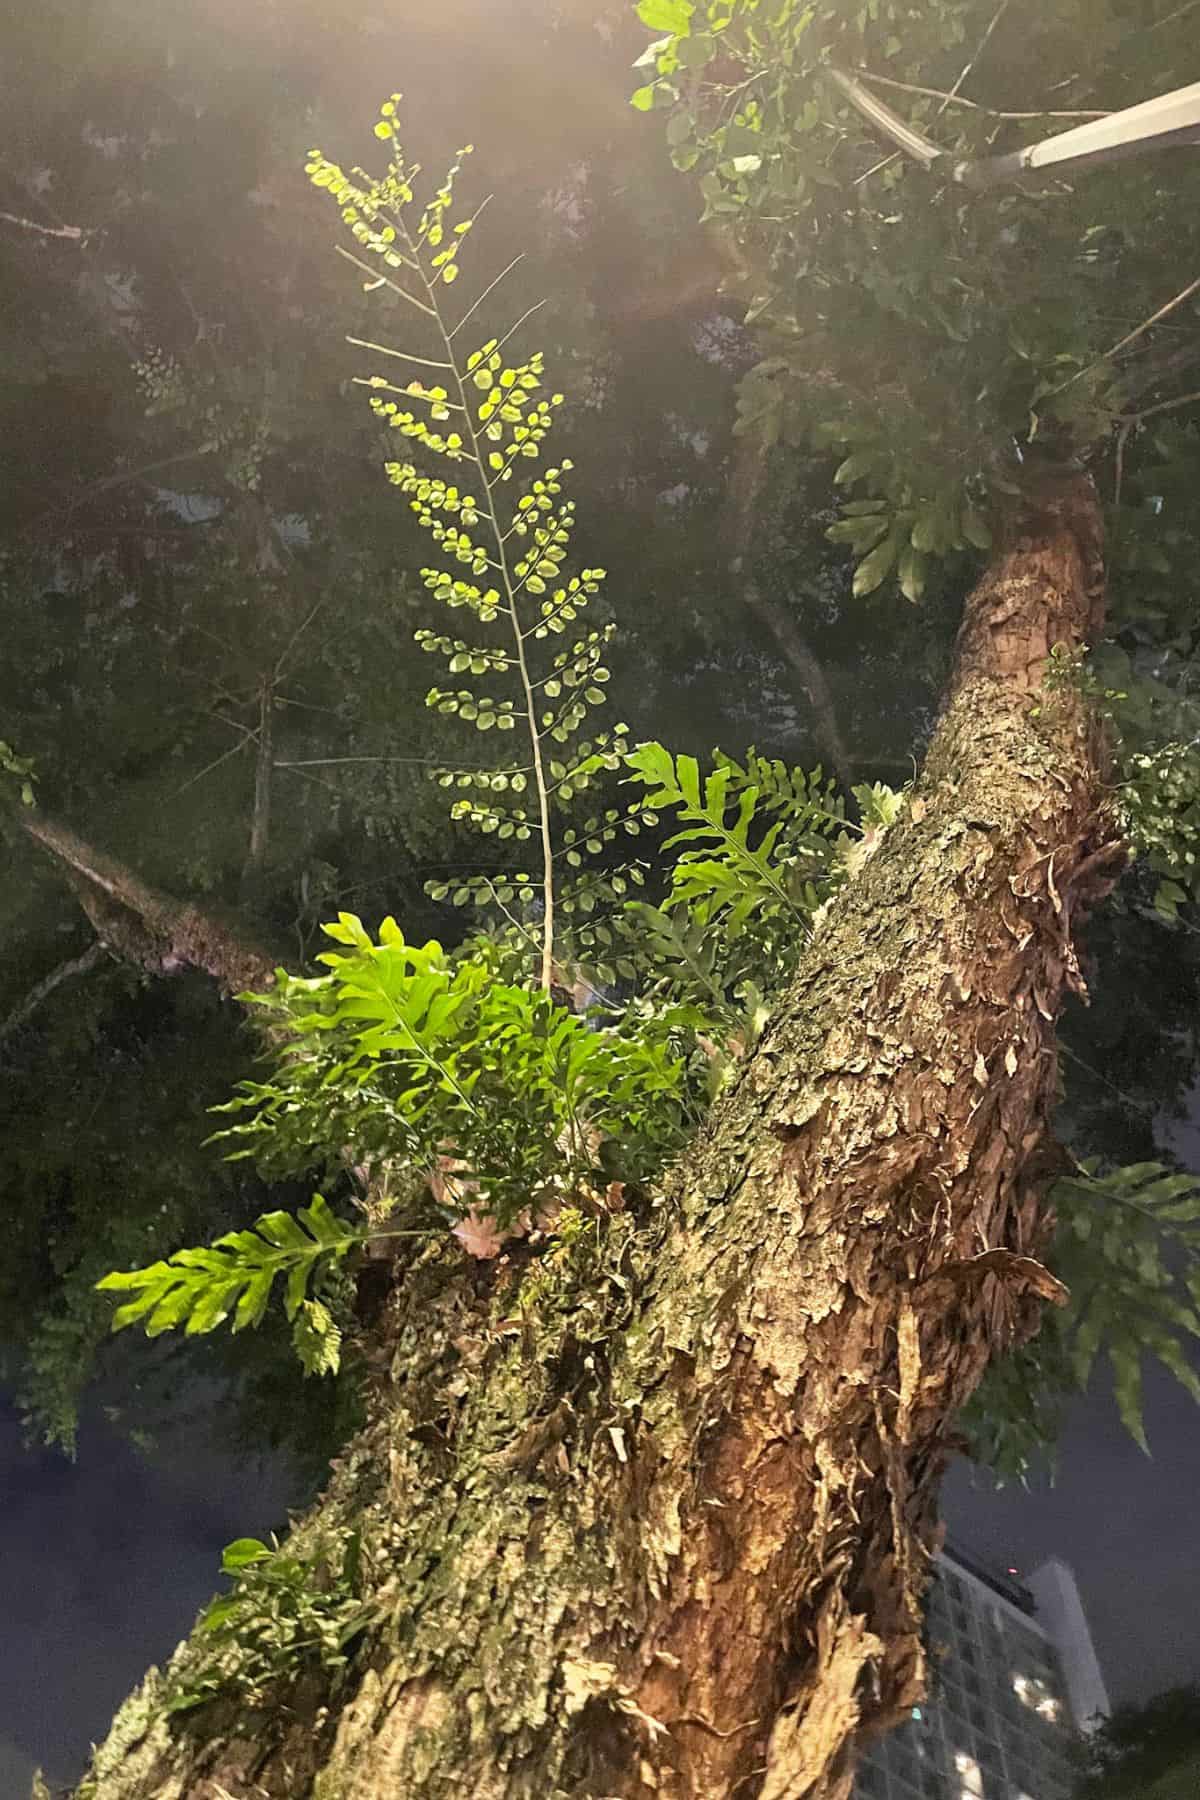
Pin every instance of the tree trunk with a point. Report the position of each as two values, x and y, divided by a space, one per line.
652 1515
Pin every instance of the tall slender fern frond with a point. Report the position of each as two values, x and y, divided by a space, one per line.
503 529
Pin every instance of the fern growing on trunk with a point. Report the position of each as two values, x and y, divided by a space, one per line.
495 1096
459 1073
505 539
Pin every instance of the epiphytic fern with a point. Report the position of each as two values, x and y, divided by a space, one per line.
503 528
199 1288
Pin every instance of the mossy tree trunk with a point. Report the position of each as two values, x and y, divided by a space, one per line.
652 1515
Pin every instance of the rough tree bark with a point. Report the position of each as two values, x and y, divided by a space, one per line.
651 1515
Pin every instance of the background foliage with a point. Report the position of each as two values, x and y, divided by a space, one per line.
1150 1752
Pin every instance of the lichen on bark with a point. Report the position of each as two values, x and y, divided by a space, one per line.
654 1516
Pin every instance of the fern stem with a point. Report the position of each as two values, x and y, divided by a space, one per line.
513 329
427 362
488 510
430 1059
490 288
378 280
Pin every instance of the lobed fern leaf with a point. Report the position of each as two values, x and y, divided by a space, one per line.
792 818
198 1288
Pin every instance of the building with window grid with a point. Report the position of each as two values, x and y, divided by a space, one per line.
1012 1677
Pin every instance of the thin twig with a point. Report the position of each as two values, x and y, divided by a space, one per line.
891 157
513 329
947 98
378 280
1148 412
66 971
511 917
421 762
234 750
427 362
1119 475
483 204
980 48
295 638
75 232
307 705
316 780
1186 293
490 288
1170 19
952 99
260 818
248 732
1135 1105
127 475
412 392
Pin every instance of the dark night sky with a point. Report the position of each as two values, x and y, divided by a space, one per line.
1124 1521
103 1566
105 1562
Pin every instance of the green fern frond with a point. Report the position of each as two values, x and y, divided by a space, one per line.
1130 1246
742 861
504 533
401 1049
317 1338
285 1612
197 1289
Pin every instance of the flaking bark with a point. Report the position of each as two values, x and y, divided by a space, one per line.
653 1515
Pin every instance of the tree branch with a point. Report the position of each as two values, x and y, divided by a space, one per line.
947 99
151 929
1130 337
1148 412
1179 13
260 825
66 971
120 479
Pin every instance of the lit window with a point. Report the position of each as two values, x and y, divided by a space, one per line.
1036 1694
970 1776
